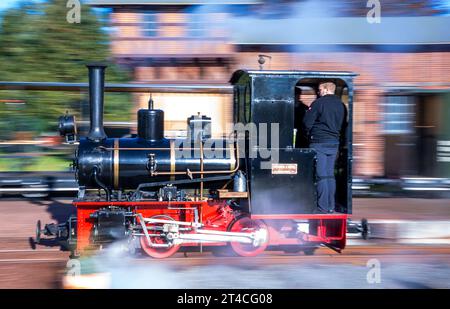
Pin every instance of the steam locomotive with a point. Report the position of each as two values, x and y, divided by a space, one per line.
163 195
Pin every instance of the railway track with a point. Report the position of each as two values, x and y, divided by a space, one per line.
32 256
44 267
352 255
19 250
23 267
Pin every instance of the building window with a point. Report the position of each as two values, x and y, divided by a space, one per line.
398 115
197 25
150 25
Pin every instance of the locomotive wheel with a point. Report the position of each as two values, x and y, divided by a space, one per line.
158 253
245 224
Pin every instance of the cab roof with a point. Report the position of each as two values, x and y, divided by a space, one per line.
340 78
301 74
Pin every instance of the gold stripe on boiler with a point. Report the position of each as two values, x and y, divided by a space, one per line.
116 163
172 160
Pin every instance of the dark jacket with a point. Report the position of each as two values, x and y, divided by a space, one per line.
324 119
301 140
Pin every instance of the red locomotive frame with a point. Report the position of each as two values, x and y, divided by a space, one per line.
216 215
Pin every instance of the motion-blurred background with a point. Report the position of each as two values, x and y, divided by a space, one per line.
400 49
402 97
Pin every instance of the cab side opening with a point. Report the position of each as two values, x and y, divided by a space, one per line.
306 91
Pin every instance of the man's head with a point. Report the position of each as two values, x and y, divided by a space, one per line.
298 93
326 88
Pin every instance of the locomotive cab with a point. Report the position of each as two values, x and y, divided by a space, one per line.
272 99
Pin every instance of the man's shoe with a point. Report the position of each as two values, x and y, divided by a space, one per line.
320 211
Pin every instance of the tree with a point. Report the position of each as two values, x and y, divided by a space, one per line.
38 44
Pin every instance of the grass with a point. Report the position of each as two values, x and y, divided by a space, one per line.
34 164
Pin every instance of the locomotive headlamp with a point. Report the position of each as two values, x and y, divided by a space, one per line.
67 127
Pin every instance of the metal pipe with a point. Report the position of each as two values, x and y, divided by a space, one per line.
134 87
201 170
96 93
101 184
216 238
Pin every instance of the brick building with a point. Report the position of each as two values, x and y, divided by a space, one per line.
402 103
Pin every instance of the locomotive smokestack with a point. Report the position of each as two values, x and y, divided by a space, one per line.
96 92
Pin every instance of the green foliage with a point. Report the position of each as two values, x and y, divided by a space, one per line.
35 164
38 44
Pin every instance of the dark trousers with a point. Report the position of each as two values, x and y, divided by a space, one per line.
326 182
